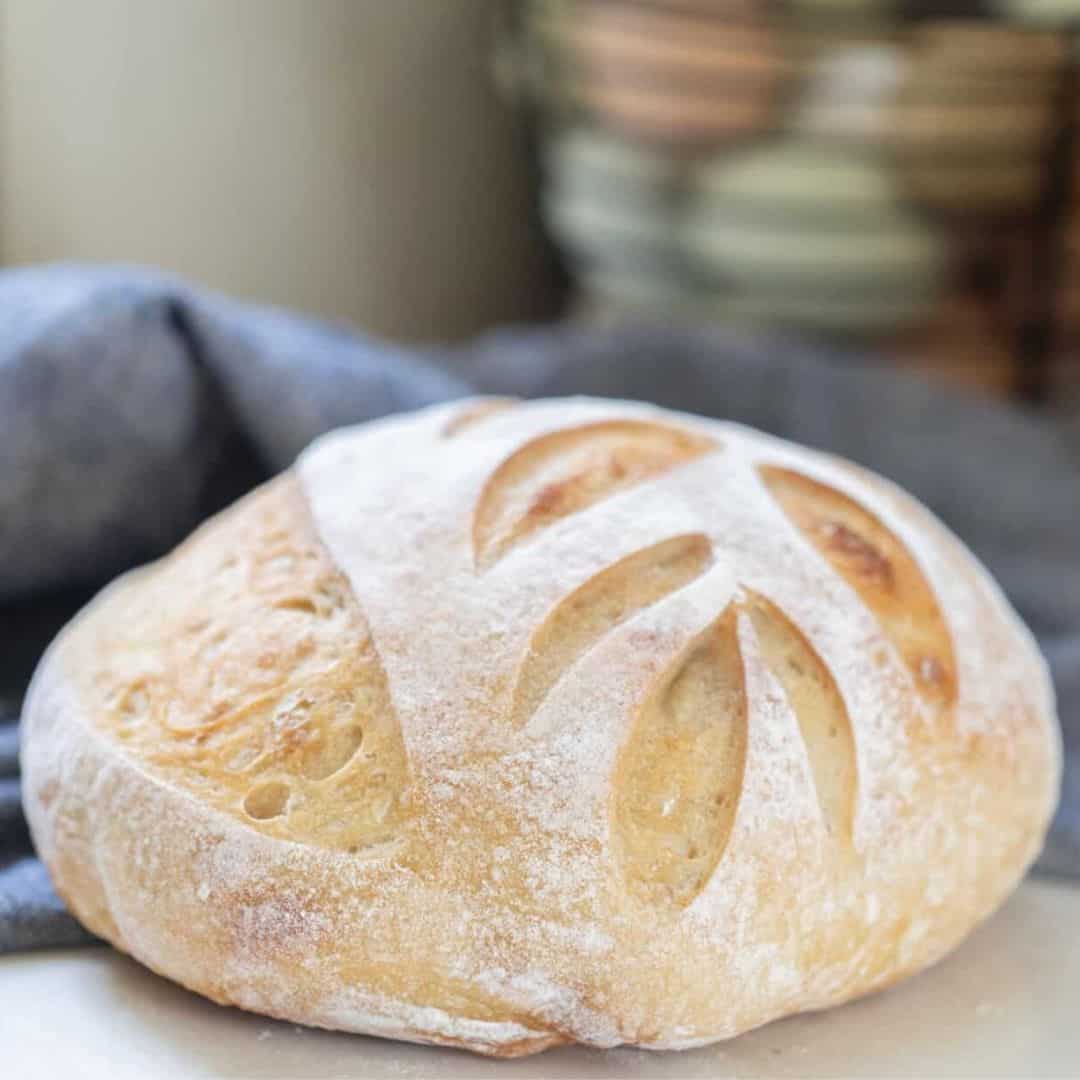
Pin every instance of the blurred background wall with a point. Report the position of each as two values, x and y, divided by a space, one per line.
353 159
346 157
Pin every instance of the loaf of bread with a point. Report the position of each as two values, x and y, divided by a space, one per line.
507 725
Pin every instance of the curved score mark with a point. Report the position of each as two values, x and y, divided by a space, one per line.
680 774
819 707
874 562
566 471
600 605
475 412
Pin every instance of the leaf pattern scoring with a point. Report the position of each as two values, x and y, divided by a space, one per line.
567 471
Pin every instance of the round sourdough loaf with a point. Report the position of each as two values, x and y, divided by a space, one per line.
508 725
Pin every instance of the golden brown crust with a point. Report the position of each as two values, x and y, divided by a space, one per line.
242 669
502 727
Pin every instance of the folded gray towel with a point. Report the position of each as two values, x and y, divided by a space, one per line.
132 405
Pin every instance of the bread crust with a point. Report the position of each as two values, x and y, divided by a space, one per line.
503 726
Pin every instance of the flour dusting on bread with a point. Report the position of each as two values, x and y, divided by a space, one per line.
509 725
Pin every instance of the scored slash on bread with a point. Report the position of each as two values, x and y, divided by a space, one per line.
508 725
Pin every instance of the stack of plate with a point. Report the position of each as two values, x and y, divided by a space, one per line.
971 123
849 168
813 236
612 204
848 88
679 74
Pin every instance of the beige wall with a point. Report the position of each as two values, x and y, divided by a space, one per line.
344 156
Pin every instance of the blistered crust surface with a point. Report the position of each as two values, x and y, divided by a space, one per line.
242 669
560 721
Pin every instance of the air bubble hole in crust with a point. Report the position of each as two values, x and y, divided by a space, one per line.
267 800
302 604
330 751
134 703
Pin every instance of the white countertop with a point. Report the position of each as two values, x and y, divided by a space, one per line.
1006 1004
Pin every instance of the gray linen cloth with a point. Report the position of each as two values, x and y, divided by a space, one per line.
132 405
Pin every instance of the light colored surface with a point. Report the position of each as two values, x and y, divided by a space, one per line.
348 157
1004 1005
